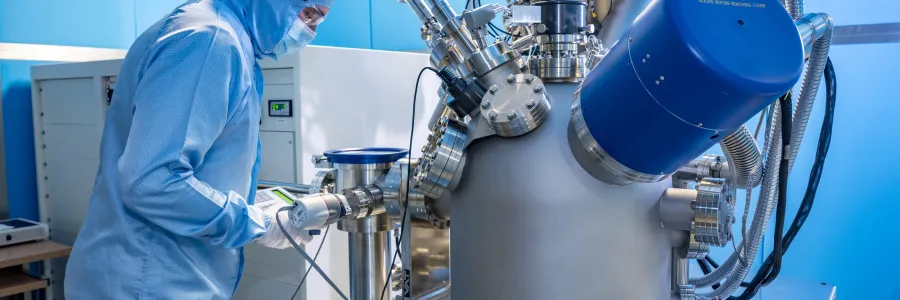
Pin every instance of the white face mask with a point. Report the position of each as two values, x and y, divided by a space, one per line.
297 38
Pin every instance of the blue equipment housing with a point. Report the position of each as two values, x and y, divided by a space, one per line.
688 73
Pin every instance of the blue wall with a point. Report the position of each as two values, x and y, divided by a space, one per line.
847 241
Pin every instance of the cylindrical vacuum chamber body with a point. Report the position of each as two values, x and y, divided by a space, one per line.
530 223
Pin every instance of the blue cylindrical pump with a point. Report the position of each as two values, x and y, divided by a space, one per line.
687 74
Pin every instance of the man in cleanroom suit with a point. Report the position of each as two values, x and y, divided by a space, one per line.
172 205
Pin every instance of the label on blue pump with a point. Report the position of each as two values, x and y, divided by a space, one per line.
734 3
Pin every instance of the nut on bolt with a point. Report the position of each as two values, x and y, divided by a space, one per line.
529 104
510 78
511 115
485 104
529 78
539 88
492 115
494 89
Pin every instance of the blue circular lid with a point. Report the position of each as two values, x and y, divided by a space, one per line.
358 156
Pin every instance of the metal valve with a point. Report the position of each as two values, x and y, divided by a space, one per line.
320 210
705 212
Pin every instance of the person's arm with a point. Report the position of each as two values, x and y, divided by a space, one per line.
191 86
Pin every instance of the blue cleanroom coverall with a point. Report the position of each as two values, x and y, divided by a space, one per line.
171 206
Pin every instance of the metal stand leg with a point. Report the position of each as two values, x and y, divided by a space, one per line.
369 256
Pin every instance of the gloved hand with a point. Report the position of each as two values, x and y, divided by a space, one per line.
274 237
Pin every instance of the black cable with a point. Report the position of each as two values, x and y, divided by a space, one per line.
783 174
715 265
711 262
315 257
311 261
495 27
491 25
704 266
814 178
766 275
412 129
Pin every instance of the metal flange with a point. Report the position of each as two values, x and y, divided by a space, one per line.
516 108
712 212
693 249
323 182
393 187
561 69
443 158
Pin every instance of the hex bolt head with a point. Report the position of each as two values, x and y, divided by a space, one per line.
657 82
511 115
510 78
492 115
485 104
648 55
537 89
529 78
661 78
529 104
493 89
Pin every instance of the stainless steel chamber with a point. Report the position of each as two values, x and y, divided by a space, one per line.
529 223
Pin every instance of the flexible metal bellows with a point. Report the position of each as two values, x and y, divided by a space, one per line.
744 158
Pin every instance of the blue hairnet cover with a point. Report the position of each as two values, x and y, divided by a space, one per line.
171 206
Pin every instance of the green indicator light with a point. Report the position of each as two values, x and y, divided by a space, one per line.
278 106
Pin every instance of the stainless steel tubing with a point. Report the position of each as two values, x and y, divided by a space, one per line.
369 266
288 186
421 9
734 269
744 159
367 238
523 43
823 26
447 17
